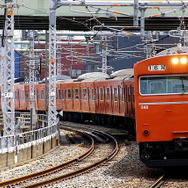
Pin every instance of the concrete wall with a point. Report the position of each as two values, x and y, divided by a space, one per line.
25 154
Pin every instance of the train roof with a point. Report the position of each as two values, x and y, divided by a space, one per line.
174 50
124 74
58 78
93 75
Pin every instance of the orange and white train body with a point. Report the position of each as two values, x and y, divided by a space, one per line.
161 110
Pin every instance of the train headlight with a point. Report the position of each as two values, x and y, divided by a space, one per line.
183 60
175 61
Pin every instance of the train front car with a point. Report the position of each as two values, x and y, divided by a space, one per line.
161 107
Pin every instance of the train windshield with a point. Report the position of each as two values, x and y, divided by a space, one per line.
163 85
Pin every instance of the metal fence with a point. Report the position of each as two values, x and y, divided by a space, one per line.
24 139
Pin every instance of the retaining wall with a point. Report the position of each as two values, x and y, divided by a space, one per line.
28 151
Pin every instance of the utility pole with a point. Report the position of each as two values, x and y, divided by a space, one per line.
7 60
32 78
52 113
104 54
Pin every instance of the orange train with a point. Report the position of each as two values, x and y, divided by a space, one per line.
94 97
155 97
161 105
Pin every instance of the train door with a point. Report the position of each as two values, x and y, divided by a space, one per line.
122 100
108 102
92 99
76 97
115 100
58 96
69 102
84 95
129 100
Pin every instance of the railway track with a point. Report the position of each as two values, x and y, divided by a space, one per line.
55 168
159 182
25 181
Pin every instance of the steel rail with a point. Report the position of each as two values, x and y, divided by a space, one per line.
158 182
55 168
82 170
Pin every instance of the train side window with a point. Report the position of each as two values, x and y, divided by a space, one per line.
90 94
129 93
42 95
26 95
108 94
59 94
133 98
23 95
125 93
84 94
15 95
64 93
69 94
115 94
93 94
122 94
101 94
97 93
76 94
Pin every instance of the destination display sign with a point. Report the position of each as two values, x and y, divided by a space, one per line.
156 67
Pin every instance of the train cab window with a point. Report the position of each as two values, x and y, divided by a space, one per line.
69 94
101 94
42 95
108 94
115 94
161 85
76 94
84 94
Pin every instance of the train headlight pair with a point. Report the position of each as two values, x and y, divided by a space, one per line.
182 60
